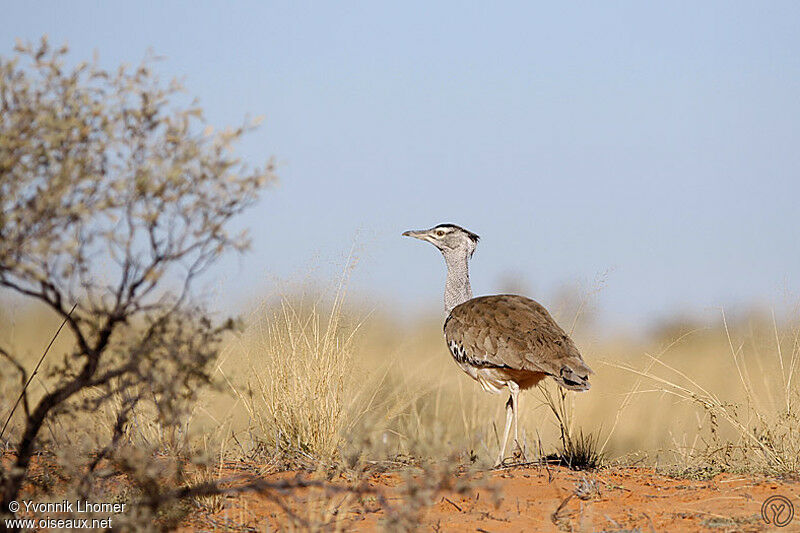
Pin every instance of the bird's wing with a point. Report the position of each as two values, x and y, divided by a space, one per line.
511 331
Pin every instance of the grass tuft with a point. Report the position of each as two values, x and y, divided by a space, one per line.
580 452
299 388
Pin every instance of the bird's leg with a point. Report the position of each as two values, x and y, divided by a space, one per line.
509 410
514 399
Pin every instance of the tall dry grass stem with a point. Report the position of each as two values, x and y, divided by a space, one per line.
300 388
766 432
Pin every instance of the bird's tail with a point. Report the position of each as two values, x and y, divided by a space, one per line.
574 374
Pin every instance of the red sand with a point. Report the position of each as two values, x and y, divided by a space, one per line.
539 499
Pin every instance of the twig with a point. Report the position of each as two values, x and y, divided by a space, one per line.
448 500
554 517
35 370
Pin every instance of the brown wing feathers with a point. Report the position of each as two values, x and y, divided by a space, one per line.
513 332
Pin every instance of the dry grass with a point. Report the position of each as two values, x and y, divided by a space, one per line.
292 373
746 407
318 382
713 397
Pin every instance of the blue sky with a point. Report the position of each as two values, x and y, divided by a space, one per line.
658 143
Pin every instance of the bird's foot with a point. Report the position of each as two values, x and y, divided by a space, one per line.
517 457
518 453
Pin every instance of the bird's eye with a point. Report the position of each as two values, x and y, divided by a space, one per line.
439 233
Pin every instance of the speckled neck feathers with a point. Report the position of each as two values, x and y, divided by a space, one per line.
457 289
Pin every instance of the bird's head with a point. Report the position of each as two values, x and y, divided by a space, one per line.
448 238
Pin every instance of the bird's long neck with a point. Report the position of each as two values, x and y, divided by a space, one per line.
456 289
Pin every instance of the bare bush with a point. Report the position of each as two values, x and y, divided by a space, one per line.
114 199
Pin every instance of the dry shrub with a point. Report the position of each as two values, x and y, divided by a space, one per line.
113 201
338 505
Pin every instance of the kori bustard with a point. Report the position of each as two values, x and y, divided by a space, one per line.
503 340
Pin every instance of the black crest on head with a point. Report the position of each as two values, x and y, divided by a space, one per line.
475 238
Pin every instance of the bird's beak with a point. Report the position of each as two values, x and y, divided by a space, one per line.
417 234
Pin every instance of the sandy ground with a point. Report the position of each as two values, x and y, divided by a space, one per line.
531 499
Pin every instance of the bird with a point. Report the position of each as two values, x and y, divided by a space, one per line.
503 340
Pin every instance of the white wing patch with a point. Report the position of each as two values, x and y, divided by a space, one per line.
459 354
491 378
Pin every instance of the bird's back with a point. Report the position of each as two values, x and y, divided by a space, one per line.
514 333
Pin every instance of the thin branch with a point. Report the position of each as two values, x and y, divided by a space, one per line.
118 433
273 489
23 378
35 370
56 305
